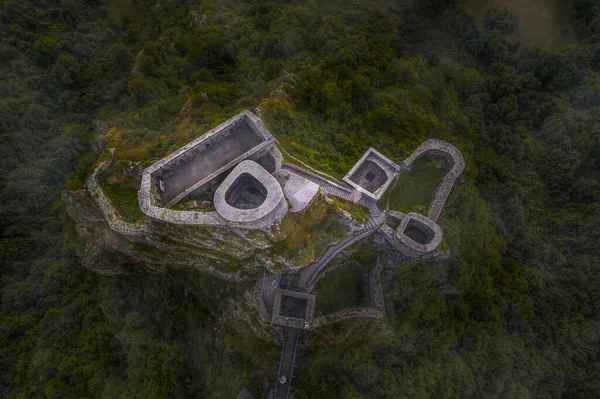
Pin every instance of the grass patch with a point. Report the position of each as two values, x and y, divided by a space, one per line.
289 160
122 192
346 286
125 201
311 231
358 212
415 188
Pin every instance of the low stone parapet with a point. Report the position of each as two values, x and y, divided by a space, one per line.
111 215
457 165
369 313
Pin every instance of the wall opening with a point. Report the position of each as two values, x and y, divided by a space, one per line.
418 232
246 192
369 176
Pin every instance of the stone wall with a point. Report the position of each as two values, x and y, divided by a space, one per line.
370 313
150 205
376 308
390 168
375 288
457 165
110 214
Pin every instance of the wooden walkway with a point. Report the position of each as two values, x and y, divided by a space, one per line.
286 365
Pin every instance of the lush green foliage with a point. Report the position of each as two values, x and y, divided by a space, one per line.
523 231
346 286
309 232
357 212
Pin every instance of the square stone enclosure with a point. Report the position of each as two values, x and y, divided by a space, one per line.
293 309
372 174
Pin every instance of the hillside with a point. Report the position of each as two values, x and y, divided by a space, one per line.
329 79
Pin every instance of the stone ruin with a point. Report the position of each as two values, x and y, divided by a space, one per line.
372 174
237 166
232 165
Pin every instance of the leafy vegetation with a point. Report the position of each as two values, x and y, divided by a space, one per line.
523 232
358 212
309 232
122 192
346 285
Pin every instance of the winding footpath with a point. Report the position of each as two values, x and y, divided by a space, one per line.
308 275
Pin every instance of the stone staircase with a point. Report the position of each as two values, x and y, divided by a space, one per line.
371 205
245 394
286 366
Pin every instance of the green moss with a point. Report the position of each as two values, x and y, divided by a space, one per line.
289 160
308 233
415 188
125 201
194 206
347 285
358 212
122 192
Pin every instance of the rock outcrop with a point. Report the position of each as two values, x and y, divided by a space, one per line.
230 253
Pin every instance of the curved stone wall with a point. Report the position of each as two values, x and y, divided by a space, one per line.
112 216
409 244
227 209
150 204
457 165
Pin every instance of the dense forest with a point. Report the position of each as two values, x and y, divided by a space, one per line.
331 79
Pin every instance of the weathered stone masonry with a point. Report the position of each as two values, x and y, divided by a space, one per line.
246 182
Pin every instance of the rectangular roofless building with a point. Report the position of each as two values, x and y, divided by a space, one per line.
372 174
198 165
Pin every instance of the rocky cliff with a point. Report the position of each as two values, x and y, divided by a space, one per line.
230 253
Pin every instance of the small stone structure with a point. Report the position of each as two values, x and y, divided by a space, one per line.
293 309
248 194
416 235
372 174
299 191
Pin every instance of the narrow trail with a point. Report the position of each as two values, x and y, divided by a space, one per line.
308 275
286 365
